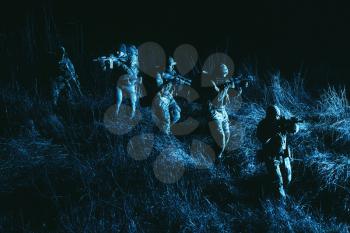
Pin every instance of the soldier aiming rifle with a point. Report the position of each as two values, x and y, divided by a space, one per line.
218 118
272 132
242 81
166 110
125 69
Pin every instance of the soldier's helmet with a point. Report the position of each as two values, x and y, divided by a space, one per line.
223 70
171 61
170 66
122 51
273 112
61 52
132 50
220 73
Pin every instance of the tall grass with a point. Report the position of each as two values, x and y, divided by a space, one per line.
80 178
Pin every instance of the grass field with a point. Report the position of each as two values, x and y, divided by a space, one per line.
62 170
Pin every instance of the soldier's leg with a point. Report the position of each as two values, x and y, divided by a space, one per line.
288 169
278 151
133 100
165 120
69 93
175 111
218 134
55 94
226 128
274 172
57 88
118 99
279 179
161 114
226 131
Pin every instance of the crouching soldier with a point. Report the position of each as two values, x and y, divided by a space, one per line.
272 132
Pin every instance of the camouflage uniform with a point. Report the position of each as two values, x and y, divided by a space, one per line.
276 152
166 111
65 78
127 84
218 118
168 74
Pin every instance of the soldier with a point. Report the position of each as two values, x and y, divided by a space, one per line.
272 133
167 111
168 74
64 78
218 118
128 82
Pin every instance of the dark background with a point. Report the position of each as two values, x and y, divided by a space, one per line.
289 35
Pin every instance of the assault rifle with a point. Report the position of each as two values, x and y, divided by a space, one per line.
288 125
103 60
177 78
182 80
241 81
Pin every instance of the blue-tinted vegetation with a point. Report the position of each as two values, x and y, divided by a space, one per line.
62 171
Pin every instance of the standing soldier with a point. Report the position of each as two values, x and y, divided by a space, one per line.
65 78
168 74
272 132
125 72
124 67
166 111
218 118
128 82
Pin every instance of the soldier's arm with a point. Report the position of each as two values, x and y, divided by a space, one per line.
238 91
226 93
159 79
261 132
295 128
70 66
291 125
168 76
140 79
216 88
119 63
296 124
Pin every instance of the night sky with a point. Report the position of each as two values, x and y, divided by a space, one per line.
276 34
